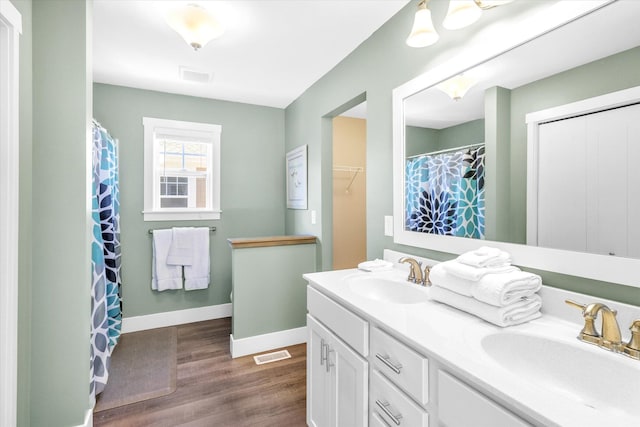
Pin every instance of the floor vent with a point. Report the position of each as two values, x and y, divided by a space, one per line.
261 359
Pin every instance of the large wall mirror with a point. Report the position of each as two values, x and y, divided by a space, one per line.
463 154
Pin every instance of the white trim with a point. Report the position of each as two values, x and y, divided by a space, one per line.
10 29
177 317
203 132
271 341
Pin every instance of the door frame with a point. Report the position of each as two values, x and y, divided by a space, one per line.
10 30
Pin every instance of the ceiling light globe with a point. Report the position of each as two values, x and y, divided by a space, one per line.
461 13
195 24
423 32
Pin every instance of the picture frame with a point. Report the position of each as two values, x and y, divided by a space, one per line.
296 172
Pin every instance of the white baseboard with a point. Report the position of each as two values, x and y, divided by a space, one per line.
178 317
259 343
88 419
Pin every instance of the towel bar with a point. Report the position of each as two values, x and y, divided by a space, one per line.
211 230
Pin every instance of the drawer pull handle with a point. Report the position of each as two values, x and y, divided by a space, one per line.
385 408
386 361
322 357
328 359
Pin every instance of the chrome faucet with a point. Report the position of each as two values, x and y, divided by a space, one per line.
610 337
415 272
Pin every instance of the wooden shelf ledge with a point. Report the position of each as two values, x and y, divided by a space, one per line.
259 242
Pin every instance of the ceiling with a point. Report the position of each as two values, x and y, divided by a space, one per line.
270 53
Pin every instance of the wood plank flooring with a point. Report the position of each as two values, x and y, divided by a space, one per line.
215 390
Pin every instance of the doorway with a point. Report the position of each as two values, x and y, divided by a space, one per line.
349 187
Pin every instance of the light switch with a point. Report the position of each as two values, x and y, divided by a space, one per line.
313 217
388 225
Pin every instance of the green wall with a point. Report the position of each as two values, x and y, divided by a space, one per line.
252 186
269 292
423 140
374 69
60 294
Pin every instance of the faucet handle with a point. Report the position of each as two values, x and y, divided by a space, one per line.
589 332
632 348
425 277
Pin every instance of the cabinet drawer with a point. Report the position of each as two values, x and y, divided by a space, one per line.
351 328
393 406
406 368
478 410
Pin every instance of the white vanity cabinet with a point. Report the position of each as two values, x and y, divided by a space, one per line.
360 373
337 376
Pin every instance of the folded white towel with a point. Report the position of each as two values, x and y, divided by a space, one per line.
468 272
485 257
439 276
520 311
197 275
505 288
181 250
163 276
375 265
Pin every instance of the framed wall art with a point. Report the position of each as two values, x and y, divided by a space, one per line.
296 171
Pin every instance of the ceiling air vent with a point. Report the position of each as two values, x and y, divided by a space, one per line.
195 76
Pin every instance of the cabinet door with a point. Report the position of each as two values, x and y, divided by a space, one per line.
461 406
318 379
350 379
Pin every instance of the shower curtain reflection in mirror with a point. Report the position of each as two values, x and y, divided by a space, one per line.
444 192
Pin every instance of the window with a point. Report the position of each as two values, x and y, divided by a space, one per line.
181 170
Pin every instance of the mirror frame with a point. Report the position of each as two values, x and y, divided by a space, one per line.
494 43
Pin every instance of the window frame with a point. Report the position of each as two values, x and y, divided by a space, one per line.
183 130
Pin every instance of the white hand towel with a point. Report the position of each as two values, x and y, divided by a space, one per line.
375 265
181 251
468 272
505 288
163 276
197 275
518 312
485 257
439 276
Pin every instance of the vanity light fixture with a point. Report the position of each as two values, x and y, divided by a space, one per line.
488 4
461 13
195 24
456 87
423 32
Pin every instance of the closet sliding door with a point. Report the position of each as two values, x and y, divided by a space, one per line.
588 189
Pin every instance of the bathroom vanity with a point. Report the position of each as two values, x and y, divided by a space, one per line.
380 353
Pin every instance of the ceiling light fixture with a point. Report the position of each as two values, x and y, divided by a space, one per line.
457 87
195 24
461 13
423 33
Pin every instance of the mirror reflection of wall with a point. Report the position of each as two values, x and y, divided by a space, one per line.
508 88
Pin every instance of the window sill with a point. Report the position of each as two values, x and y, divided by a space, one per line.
180 215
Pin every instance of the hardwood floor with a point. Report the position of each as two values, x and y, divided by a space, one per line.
215 390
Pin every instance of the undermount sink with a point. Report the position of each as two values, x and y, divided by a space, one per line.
387 289
584 373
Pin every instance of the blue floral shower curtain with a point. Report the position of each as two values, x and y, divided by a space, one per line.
106 316
444 193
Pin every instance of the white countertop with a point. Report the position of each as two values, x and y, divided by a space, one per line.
454 338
